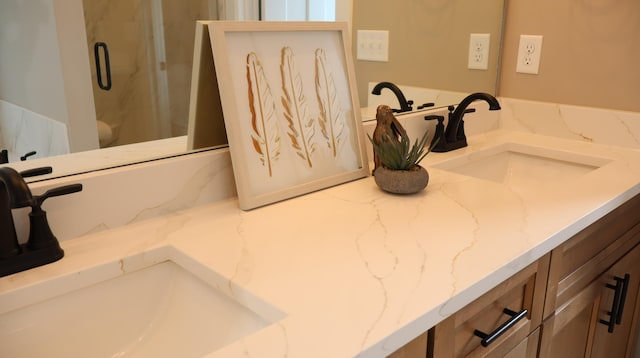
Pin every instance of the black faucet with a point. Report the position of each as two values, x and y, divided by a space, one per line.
405 106
14 193
4 156
453 136
42 246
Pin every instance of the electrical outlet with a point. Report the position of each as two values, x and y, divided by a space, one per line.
529 52
479 51
373 45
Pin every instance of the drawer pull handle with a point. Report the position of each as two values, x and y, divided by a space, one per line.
623 298
487 339
619 299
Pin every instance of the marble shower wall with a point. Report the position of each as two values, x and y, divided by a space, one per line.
23 131
151 49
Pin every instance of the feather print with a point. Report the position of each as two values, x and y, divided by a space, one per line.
301 129
264 124
332 122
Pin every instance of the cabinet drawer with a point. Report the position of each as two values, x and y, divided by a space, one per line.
458 335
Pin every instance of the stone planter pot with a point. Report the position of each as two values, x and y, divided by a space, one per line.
401 181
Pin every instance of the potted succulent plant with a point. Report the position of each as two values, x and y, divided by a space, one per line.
397 163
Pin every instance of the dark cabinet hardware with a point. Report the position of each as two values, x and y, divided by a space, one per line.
617 306
487 339
623 298
107 65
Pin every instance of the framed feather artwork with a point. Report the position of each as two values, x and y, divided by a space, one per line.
290 107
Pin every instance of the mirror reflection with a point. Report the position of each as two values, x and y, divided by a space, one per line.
106 77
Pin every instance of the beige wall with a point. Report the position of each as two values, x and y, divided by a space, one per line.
428 42
590 56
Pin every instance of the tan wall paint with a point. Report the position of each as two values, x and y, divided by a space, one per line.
428 42
590 52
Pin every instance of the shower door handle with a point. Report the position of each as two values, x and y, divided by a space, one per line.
107 65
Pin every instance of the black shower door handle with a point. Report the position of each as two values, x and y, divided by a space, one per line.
107 65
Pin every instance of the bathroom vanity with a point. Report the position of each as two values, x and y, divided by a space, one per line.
576 301
352 271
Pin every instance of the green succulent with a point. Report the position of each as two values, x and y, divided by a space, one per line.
400 155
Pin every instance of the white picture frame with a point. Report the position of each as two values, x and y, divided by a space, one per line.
290 107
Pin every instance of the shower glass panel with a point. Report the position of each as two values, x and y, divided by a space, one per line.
141 53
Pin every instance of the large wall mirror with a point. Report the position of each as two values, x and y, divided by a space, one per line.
109 80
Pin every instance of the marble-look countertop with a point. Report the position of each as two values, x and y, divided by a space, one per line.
350 270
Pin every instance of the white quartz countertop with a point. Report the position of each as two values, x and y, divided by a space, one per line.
353 270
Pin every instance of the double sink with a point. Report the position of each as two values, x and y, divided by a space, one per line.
167 308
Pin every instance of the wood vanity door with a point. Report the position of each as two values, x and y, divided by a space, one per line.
576 330
566 334
620 342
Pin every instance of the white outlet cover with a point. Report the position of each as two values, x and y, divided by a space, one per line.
529 51
479 51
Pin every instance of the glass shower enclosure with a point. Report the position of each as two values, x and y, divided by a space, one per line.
141 53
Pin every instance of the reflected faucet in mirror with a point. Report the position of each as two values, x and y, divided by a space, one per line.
405 106
453 137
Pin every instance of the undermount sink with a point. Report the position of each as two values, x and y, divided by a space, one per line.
518 165
158 311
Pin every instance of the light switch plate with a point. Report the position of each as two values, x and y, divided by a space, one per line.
479 51
373 45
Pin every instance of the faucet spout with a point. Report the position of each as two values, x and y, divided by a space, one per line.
453 136
405 106
453 128
14 193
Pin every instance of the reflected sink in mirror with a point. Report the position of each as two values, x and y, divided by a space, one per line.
521 166
159 311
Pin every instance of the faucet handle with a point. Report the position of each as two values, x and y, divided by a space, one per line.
27 155
467 110
409 105
36 172
62 190
434 116
438 137
40 235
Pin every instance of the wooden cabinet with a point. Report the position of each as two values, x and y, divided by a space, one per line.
468 332
579 328
566 333
618 338
570 295
414 349
587 274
